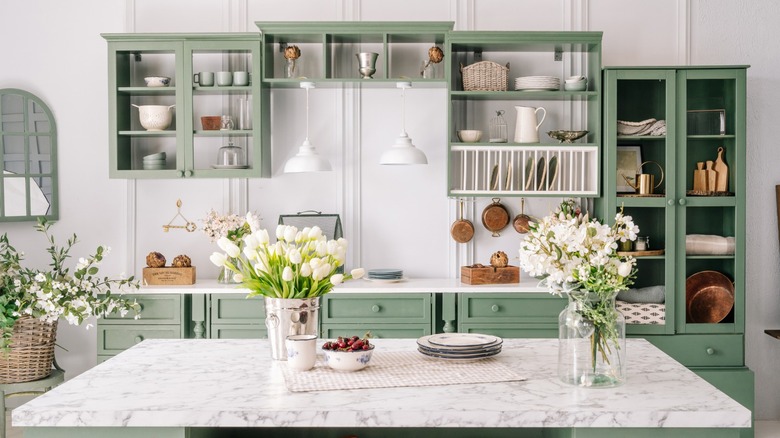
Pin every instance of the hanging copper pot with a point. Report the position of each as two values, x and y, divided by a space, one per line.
522 220
462 230
495 217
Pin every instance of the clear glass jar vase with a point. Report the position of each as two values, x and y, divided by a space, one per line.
226 275
291 68
591 341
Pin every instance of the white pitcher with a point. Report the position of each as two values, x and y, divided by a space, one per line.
527 128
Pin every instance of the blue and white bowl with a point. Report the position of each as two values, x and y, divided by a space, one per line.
348 360
157 81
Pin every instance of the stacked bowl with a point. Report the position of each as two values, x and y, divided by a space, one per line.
385 275
576 83
154 161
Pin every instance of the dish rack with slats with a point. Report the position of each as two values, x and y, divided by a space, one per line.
524 170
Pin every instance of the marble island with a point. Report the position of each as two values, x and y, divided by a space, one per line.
178 388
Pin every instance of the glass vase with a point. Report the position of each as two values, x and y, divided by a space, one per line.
226 276
591 341
290 69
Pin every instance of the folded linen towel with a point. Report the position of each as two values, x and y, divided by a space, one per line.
645 127
652 294
708 244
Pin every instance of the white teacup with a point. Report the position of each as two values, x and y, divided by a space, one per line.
224 78
240 78
301 351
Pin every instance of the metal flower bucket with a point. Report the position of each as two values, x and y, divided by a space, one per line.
284 317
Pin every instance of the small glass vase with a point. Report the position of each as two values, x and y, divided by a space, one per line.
226 276
591 341
428 69
290 69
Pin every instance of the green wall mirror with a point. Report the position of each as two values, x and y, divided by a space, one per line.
28 151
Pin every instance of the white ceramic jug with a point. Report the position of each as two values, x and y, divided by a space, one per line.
527 128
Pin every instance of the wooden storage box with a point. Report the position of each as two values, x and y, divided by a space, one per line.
489 275
169 276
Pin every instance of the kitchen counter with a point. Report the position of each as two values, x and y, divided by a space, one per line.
167 388
411 285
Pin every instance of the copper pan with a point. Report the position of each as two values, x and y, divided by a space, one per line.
709 297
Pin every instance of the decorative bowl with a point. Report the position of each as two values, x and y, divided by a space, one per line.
157 81
469 135
348 360
211 123
155 117
575 86
567 136
575 79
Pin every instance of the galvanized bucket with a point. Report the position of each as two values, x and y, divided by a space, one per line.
284 317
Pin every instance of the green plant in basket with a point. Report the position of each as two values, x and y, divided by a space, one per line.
300 264
55 293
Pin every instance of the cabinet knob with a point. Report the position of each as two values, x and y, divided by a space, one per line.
138 339
181 174
375 308
670 202
494 307
187 173
710 351
681 201
140 306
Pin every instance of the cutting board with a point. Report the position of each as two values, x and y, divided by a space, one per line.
700 178
722 171
712 176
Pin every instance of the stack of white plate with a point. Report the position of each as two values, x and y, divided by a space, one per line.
460 346
385 275
537 83
154 161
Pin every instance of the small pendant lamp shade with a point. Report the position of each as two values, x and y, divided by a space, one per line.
307 159
403 151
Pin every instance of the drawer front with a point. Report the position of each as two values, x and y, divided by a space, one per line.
511 308
115 339
155 309
383 308
237 309
737 383
513 331
237 331
378 331
703 350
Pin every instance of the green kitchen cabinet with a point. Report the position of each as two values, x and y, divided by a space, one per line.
403 315
328 52
191 151
234 316
511 315
546 168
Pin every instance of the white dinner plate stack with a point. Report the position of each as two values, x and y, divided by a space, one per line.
537 83
459 346
385 275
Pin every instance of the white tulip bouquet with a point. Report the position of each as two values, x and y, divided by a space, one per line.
300 264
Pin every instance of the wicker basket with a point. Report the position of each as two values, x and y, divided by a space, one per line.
485 76
31 353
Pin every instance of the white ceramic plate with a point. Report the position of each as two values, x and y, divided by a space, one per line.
552 171
529 171
462 339
541 172
458 359
385 280
425 344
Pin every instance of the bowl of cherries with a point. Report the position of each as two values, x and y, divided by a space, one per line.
348 353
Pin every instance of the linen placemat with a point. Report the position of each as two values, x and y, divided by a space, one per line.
389 369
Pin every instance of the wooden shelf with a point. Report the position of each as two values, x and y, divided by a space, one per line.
775 333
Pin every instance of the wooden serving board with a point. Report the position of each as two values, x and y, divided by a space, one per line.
489 275
645 253
169 276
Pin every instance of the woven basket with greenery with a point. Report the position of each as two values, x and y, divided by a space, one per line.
31 352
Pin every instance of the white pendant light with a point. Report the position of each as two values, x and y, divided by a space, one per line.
307 159
403 151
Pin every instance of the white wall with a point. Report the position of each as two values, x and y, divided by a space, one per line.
394 216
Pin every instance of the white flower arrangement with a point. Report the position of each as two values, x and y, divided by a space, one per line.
55 293
216 226
300 264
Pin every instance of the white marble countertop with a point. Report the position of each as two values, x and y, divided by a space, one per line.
411 285
234 383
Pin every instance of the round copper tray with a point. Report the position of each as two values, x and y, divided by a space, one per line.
709 297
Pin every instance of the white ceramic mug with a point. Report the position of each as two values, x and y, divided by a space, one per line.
240 78
224 78
204 78
301 351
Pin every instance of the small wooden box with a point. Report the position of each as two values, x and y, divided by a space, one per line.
489 275
169 276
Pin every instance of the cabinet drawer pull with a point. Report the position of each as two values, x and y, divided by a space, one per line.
375 308
710 351
138 339
188 173
681 202
670 202
181 174
140 306
494 307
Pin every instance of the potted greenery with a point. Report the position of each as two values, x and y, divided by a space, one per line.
32 301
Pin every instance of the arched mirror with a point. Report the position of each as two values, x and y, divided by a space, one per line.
28 151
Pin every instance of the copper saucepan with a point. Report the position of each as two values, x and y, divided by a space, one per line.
522 220
495 217
462 230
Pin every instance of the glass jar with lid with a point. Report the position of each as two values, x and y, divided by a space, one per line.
230 156
498 131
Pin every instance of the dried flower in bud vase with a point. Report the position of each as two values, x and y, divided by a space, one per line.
499 259
435 54
155 260
292 52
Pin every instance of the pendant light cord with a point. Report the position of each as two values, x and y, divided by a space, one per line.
307 115
403 111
